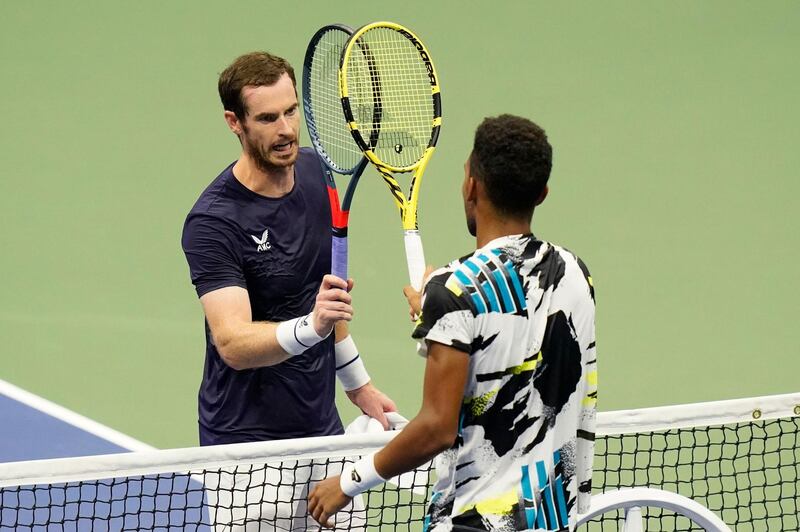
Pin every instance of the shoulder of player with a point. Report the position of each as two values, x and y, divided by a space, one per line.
219 206
568 256
205 226
307 152
308 163
575 266
212 200
448 283
213 214
444 273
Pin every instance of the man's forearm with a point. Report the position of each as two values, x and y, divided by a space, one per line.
245 344
419 441
250 345
435 427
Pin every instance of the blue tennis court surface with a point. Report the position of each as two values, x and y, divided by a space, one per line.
30 434
35 429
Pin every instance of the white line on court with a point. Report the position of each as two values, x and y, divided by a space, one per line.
73 418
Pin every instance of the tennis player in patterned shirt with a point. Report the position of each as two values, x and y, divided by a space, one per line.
510 380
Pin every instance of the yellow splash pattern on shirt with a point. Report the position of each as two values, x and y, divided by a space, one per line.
590 401
528 365
478 405
452 285
500 505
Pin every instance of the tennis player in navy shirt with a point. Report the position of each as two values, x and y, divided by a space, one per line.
258 244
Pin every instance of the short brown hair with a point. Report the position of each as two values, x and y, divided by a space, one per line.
256 69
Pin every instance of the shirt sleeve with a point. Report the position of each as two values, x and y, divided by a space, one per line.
212 253
584 322
446 318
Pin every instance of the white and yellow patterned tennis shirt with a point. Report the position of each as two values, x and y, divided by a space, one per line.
523 309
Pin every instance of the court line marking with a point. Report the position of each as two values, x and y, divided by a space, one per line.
73 418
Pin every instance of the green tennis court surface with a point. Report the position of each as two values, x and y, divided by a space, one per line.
674 129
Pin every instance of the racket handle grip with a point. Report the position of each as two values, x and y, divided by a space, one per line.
415 257
339 257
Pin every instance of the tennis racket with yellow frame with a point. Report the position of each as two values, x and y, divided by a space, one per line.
397 126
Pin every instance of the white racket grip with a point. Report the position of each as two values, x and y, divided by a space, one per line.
415 257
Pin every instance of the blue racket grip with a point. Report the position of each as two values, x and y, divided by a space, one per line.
339 257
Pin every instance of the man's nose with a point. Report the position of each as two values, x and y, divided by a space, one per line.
285 126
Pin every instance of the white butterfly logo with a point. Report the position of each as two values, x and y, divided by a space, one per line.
263 242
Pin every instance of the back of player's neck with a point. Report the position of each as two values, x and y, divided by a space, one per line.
493 228
274 183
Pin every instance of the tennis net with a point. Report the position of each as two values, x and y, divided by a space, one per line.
739 458
251 486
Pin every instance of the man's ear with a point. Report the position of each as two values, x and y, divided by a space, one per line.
542 196
233 122
470 189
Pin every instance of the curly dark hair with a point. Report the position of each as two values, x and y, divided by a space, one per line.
512 158
255 68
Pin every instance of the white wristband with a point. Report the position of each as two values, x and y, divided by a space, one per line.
359 477
349 365
298 334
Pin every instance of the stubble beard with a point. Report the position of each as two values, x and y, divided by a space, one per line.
262 160
264 163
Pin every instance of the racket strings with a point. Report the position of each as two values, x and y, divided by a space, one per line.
404 121
332 131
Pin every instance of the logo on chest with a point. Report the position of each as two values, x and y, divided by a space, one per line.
263 242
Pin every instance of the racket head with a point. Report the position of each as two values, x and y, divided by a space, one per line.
390 96
327 127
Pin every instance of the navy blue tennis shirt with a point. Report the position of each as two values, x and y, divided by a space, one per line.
278 249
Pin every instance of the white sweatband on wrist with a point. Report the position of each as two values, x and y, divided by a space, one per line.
298 334
359 477
349 365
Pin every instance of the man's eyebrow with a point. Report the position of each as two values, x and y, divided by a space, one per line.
268 116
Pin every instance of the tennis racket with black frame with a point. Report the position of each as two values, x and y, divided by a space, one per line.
329 132
392 103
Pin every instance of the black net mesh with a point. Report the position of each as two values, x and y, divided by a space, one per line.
747 473
251 497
